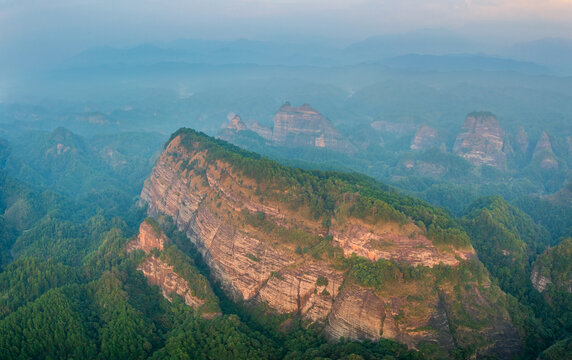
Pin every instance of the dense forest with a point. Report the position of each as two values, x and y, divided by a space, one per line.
70 290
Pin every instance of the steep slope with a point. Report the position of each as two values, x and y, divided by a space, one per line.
481 140
332 248
505 239
167 267
425 138
553 211
543 157
554 266
304 126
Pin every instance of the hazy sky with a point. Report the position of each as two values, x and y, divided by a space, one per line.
58 28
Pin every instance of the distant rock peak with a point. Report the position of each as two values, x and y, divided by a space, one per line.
522 140
304 126
425 138
236 124
481 140
543 153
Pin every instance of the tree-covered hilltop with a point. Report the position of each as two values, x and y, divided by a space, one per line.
506 239
324 191
552 277
517 252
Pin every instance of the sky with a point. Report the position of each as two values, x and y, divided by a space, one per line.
32 30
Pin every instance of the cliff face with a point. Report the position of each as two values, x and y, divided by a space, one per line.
521 140
262 131
159 272
554 266
304 126
236 123
481 141
425 138
539 281
263 245
543 154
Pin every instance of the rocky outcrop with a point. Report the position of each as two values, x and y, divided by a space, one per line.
481 141
236 123
521 140
543 154
406 244
148 238
298 290
262 131
359 314
554 266
157 271
425 138
304 126
161 274
248 236
539 281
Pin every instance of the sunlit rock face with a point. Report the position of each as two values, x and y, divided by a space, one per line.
157 271
481 141
211 201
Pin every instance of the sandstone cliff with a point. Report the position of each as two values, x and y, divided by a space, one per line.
236 123
262 131
304 126
543 154
481 140
256 225
159 272
521 140
425 138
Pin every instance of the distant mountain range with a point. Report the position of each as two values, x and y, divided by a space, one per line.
426 51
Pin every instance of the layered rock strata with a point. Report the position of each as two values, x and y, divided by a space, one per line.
156 270
425 138
481 141
304 126
246 240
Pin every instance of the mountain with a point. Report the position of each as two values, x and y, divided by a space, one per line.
553 211
556 52
174 272
506 239
554 266
448 63
338 250
425 138
305 126
543 156
481 140
294 127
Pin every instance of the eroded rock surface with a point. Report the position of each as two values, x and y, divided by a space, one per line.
212 203
304 126
543 153
481 141
157 271
539 281
425 138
